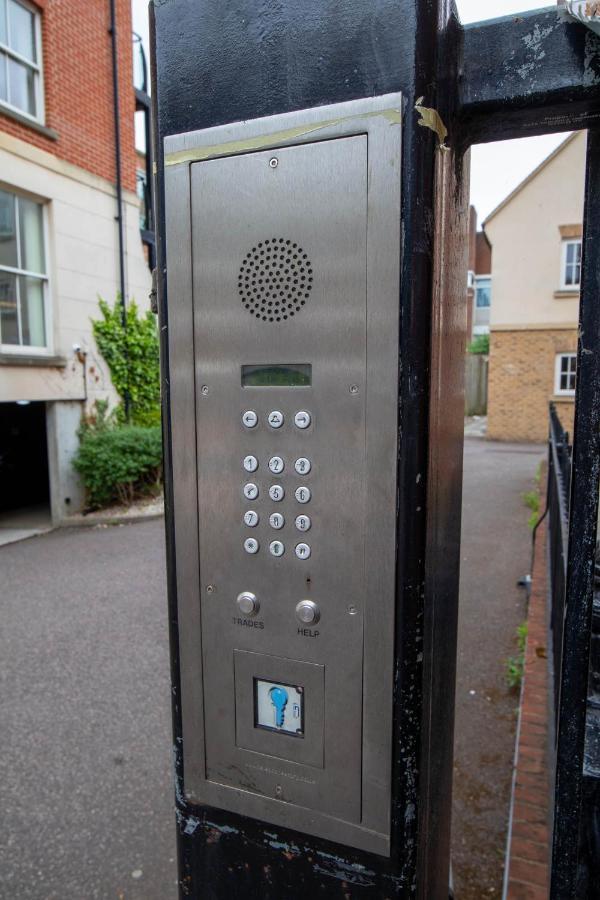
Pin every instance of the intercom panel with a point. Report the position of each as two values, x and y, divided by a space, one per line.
284 252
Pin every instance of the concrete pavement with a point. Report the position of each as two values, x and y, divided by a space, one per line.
496 552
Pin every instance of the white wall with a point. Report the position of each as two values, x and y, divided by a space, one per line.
83 264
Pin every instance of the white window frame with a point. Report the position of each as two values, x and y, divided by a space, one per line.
558 391
568 242
479 278
28 349
40 113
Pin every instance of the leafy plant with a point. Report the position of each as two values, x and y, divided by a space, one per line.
532 502
131 353
119 463
480 344
515 665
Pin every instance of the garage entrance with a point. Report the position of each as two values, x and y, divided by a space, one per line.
24 475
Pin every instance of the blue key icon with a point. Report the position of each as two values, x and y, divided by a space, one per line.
279 699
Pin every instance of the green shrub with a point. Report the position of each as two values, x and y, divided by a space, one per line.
119 463
480 344
515 665
532 502
132 357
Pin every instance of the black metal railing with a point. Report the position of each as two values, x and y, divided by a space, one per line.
559 480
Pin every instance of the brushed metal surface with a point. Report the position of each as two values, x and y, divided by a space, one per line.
317 197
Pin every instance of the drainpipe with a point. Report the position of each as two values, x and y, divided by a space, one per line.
119 184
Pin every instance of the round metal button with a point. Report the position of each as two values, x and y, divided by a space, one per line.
302 551
276 465
250 491
302 466
308 612
250 463
275 419
249 419
302 494
251 518
302 419
303 523
276 520
248 603
276 493
251 545
276 548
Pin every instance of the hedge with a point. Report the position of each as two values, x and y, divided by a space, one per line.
119 463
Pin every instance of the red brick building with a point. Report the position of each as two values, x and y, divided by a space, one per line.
59 231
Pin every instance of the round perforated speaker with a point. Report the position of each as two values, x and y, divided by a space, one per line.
275 280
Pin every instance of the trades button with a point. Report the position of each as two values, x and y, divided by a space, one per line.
302 551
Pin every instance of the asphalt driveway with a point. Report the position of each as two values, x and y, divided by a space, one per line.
85 737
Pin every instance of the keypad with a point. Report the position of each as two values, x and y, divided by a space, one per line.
266 460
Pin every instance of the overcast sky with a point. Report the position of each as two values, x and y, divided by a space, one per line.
496 169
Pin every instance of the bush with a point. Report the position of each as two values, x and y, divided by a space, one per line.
480 344
119 463
515 665
132 357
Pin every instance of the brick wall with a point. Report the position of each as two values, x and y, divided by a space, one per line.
78 89
521 383
527 864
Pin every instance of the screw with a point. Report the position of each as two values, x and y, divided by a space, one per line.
278 790
204 389
352 610
273 162
354 389
210 588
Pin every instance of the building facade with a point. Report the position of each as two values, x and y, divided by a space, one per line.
536 236
59 231
479 282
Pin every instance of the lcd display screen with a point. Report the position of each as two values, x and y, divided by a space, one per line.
280 375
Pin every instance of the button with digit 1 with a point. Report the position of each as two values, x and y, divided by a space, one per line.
250 463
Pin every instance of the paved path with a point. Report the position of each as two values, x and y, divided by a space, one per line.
496 552
85 746
85 737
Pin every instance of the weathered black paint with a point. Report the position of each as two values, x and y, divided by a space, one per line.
217 61
585 483
528 74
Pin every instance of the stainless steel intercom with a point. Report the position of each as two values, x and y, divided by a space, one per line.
283 242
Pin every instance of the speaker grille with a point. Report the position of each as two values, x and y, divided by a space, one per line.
275 280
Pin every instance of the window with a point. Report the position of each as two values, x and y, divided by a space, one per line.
571 265
483 292
20 58
141 191
565 374
23 278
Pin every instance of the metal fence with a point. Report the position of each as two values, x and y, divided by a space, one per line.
559 480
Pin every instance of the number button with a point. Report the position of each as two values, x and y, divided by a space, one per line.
302 551
249 419
303 494
276 548
303 523
251 546
251 518
275 419
250 491
250 463
276 465
302 419
276 493
276 520
302 466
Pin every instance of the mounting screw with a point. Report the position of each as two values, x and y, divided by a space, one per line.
354 389
352 611
204 389
273 162
278 790
210 588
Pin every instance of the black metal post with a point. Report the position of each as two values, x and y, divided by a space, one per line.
119 181
585 484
